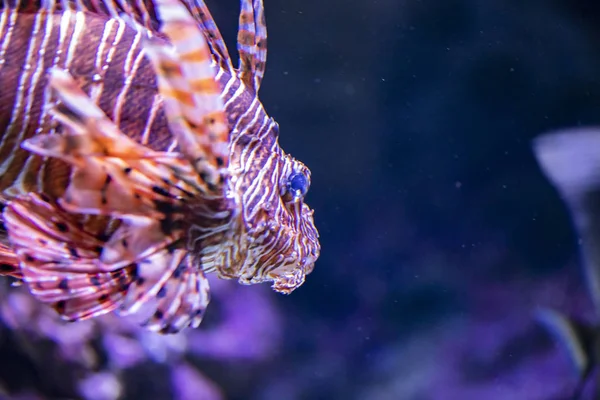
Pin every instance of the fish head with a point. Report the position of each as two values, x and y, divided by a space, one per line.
279 235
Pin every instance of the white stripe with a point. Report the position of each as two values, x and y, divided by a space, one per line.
257 185
173 146
244 156
65 22
241 89
79 23
242 117
98 86
117 39
9 31
3 20
220 71
129 72
19 101
156 103
31 95
267 195
17 186
262 133
247 153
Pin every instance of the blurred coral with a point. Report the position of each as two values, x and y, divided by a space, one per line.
94 356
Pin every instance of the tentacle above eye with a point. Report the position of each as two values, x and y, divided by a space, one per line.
252 43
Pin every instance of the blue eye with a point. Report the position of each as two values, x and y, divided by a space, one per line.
298 184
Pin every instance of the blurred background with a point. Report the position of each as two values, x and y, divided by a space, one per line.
441 237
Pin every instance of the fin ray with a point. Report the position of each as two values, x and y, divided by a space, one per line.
212 34
192 97
181 301
58 260
252 43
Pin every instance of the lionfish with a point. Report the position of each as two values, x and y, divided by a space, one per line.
135 158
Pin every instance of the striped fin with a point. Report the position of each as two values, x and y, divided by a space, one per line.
204 19
192 97
58 260
62 265
181 291
180 300
106 59
9 262
252 43
114 175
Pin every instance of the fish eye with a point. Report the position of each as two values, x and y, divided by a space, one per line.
297 184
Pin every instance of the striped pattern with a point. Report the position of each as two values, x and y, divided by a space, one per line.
252 44
192 176
186 81
119 81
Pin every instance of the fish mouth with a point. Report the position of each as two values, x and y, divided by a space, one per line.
302 256
281 250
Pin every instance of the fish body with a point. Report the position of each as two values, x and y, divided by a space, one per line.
143 159
105 56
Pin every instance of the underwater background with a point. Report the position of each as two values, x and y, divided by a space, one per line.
441 238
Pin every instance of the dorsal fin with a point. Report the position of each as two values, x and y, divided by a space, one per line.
252 43
207 24
141 11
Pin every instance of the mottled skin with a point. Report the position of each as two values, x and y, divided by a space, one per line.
270 232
